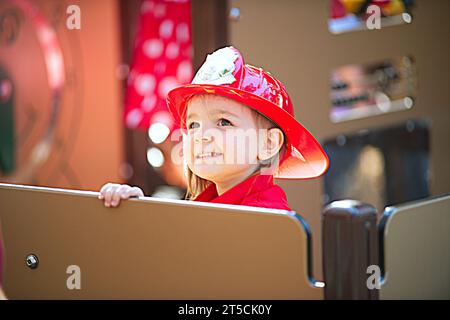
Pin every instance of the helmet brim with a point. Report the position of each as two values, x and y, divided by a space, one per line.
305 157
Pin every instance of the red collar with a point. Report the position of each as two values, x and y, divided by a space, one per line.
239 192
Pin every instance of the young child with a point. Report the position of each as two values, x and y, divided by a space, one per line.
239 133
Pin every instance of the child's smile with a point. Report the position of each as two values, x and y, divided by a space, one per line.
208 155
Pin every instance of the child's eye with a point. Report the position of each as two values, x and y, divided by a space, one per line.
193 125
224 122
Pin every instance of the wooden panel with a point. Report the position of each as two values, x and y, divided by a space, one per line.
150 248
417 250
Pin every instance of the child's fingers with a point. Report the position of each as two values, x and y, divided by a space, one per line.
103 189
127 193
112 193
132 192
115 199
108 194
138 192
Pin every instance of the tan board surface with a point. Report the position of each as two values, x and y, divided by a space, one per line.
150 248
417 250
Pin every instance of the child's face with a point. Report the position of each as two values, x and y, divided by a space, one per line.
223 138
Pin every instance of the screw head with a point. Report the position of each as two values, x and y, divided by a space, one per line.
32 261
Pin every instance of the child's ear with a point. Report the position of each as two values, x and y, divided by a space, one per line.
271 144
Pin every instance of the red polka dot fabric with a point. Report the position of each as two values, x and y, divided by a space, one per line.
162 60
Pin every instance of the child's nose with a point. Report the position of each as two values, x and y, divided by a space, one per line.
204 138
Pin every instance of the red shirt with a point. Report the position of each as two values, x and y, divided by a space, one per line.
255 191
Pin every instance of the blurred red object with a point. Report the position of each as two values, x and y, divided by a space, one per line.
162 60
337 9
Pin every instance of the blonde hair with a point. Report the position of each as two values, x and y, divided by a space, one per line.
196 184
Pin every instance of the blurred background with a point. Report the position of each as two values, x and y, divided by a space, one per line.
83 85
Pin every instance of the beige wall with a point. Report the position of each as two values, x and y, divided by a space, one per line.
290 38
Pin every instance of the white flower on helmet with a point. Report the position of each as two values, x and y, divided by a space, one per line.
218 68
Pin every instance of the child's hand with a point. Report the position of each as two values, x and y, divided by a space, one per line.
112 193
